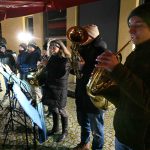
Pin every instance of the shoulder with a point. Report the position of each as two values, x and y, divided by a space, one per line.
99 43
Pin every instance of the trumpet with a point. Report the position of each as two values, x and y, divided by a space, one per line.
99 81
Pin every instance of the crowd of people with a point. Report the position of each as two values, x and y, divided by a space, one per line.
130 95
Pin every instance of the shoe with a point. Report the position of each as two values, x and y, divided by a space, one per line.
82 146
62 137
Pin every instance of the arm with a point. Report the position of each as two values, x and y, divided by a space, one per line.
65 50
137 89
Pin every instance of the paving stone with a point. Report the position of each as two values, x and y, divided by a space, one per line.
17 140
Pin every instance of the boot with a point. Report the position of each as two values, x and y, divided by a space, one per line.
0 87
64 121
55 128
82 146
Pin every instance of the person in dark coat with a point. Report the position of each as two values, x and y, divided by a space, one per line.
55 90
131 95
21 61
32 61
90 118
7 59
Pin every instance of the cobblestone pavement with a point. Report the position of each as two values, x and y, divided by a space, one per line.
16 140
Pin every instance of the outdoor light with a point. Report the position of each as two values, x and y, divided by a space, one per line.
25 37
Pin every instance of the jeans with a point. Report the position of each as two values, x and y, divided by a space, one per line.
94 123
121 146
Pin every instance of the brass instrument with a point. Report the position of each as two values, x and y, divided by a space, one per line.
99 81
32 77
77 35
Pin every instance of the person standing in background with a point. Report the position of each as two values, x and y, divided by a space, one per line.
55 87
21 61
33 59
90 118
7 59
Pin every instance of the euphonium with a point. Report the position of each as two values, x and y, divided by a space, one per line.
77 35
99 81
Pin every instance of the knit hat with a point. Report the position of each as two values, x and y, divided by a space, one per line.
32 44
3 45
23 45
142 11
92 30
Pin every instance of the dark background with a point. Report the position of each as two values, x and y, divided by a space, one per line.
104 14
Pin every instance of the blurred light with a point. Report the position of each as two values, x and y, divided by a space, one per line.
25 37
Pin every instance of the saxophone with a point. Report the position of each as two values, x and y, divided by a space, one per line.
34 77
77 35
99 81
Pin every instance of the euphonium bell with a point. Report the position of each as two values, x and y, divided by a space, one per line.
77 35
100 80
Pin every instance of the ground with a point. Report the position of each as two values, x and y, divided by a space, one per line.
16 138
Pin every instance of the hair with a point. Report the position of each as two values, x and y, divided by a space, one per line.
32 44
60 53
23 45
142 11
45 46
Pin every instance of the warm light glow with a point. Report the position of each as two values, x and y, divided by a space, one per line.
25 37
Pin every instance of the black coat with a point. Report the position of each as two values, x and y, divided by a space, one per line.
23 67
89 53
132 98
8 59
55 88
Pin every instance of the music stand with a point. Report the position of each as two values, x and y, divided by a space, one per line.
11 112
23 96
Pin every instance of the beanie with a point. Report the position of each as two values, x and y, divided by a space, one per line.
32 44
142 11
3 45
92 30
23 45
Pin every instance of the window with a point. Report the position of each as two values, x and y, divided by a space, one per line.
55 24
29 24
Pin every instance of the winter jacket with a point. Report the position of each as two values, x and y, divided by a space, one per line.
89 53
32 59
131 97
21 62
55 88
8 59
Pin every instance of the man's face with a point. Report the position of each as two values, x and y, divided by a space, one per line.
21 48
31 49
139 30
3 49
